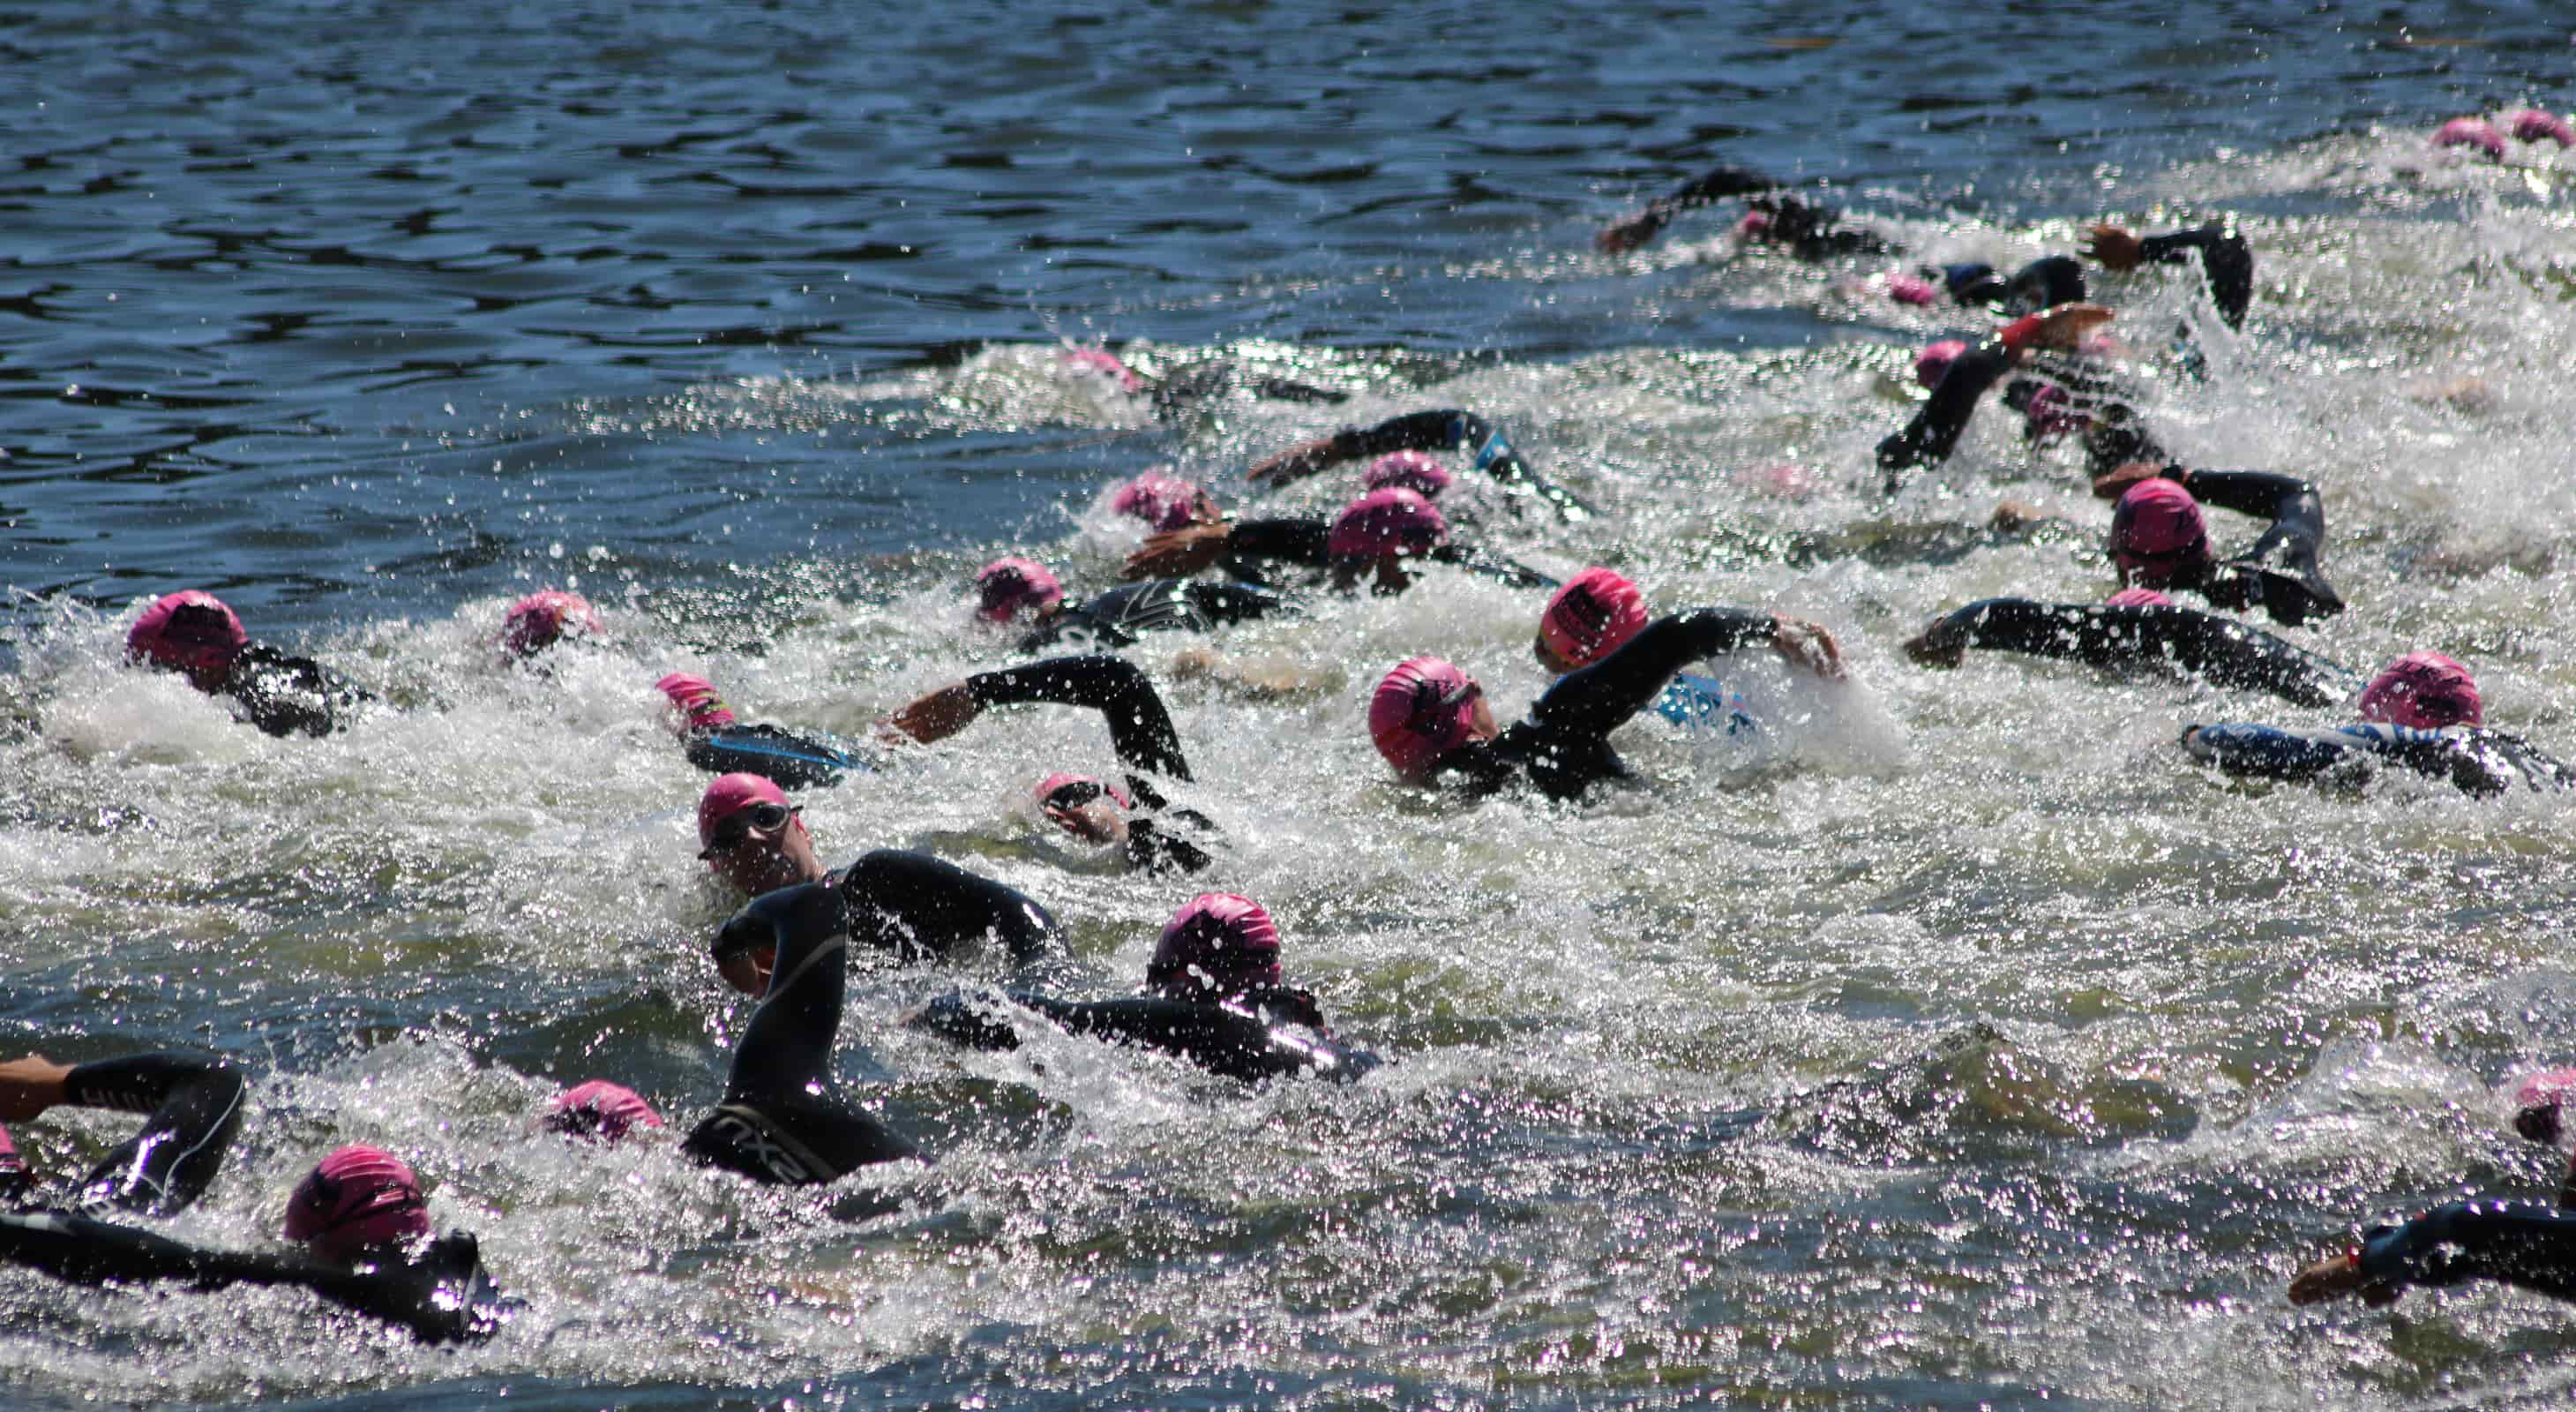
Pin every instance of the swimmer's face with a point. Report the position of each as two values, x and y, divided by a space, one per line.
1480 725
759 855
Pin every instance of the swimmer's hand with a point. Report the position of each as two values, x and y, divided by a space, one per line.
1299 461
1096 822
1177 554
1627 235
2014 516
1943 645
934 717
2115 248
2061 327
29 1086
2335 1277
1807 645
2117 483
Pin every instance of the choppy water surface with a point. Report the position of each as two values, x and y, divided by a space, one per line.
745 321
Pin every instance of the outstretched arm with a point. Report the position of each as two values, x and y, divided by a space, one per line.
1140 729
2520 1243
1597 699
1711 186
2225 259
1440 429
2219 650
916 904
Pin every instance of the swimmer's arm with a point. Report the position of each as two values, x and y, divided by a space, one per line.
1510 573
2518 1242
1229 602
1289 541
1597 699
1140 728
1711 186
2271 752
195 1107
2224 257
29 1086
1935 430
788 1044
2068 631
896 899
2297 534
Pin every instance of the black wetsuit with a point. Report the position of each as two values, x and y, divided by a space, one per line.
786 758
1308 543
1450 429
920 908
2279 571
2220 651
1811 232
2473 758
1112 620
1140 733
1563 746
195 1107
783 1119
2518 1242
2226 261
284 694
1185 389
2112 434
1251 1036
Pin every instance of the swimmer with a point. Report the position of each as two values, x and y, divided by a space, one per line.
2160 540
1141 735
1191 386
1442 430
783 1120
364 1227
908 905
2422 712
1164 502
714 741
1369 543
2138 629
1429 719
2070 401
1597 612
1213 996
542 619
1012 589
2521 1243
1810 232
194 634
600 1111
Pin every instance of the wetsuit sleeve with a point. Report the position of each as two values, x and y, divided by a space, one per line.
1510 573
1934 432
1300 541
2218 650
1140 729
788 1046
1816 232
284 694
195 1107
1449 429
1217 1038
1714 185
1597 699
918 905
2297 533
1226 601
2469 760
2225 258
1153 849
2521 1243
789 760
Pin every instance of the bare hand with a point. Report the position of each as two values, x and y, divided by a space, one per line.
937 716
2115 248
2066 325
1096 822
1627 235
2117 483
1178 553
1297 462
1940 645
1807 645
29 1086
2014 515
2335 1277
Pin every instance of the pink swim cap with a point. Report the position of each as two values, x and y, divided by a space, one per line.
187 631
2538 1101
541 619
601 1109
1421 711
1162 502
1101 360
2050 414
2533 125
2470 132
354 1200
1596 612
1389 521
1077 797
1912 289
1933 363
1754 225
1408 470
730 795
696 697
1010 585
2137 598
1217 943
2425 690
2157 531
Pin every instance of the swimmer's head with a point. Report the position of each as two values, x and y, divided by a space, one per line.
1217 945
2044 283
1753 225
190 632
1424 709
752 837
2425 690
1912 289
1970 283
1165 502
542 619
2534 125
1593 616
1009 587
2049 414
2471 132
600 1109
1381 530
2157 533
355 1200
2137 598
1083 806
1104 362
2537 1103
1933 363
1407 470
697 701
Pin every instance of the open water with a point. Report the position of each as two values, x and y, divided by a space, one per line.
747 321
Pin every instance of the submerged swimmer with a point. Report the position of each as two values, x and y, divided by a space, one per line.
714 741
1010 589
1214 996
1446 429
2138 629
544 618
1430 720
910 905
2422 713
1369 544
1185 389
194 634
2070 401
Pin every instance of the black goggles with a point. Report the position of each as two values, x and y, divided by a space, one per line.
741 824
